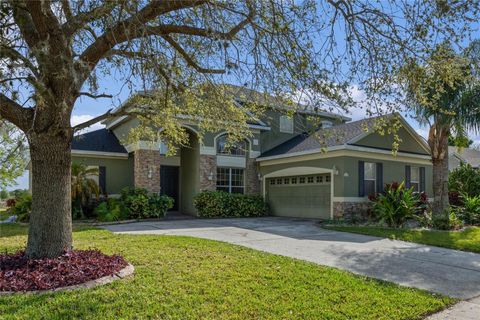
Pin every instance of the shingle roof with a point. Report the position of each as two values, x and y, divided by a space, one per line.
323 138
246 94
470 156
102 140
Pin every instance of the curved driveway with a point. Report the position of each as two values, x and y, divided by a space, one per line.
450 272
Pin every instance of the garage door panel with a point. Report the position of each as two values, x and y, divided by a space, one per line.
309 200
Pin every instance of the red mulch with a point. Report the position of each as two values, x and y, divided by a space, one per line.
17 273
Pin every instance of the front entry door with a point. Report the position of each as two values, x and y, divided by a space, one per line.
169 183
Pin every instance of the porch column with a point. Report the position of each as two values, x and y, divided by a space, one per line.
252 183
208 172
147 170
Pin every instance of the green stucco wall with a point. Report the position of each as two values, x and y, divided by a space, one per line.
348 186
189 176
301 123
123 130
408 144
119 172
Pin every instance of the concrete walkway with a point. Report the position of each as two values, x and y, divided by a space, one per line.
450 272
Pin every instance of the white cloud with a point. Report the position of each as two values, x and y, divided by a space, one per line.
78 119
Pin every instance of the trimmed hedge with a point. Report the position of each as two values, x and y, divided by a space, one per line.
211 204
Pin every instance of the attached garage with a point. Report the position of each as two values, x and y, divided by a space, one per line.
302 195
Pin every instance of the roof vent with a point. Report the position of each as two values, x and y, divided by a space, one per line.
326 124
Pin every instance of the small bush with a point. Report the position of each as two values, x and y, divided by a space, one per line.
22 207
134 203
455 199
397 204
159 205
10 203
210 204
465 180
448 221
470 211
111 210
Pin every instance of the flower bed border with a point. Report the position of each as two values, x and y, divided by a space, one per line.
125 272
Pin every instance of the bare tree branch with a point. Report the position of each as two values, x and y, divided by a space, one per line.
13 112
76 23
125 29
95 96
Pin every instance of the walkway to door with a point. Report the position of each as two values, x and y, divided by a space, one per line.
450 272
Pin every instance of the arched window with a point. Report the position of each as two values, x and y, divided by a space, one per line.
238 148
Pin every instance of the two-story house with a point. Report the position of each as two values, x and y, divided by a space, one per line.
325 173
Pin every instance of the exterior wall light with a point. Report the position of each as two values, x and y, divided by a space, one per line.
335 170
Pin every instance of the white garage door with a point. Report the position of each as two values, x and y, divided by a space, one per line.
307 196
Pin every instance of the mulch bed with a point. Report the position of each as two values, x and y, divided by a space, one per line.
17 273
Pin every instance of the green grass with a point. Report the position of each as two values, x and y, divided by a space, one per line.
190 278
465 240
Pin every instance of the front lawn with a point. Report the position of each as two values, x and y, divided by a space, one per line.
189 278
465 240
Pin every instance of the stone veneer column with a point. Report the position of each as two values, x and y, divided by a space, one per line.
208 167
352 210
252 183
147 170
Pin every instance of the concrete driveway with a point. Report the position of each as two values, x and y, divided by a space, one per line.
450 272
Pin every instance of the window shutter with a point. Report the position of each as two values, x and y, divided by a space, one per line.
361 178
102 179
379 177
422 179
407 176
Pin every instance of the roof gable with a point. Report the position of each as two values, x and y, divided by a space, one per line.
102 140
358 133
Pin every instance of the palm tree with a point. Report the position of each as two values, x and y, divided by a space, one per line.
444 93
83 185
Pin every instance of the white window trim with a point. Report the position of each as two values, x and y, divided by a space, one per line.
230 179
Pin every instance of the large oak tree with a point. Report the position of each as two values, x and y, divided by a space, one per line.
53 52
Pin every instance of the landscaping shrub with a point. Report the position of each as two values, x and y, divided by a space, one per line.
397 204
455 199
159 204
211 204
465 180
448 221
22 206
10 203
134 203
469 212
111 210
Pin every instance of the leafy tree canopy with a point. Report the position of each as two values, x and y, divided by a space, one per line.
13 154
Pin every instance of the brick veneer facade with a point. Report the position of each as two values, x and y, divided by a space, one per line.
252 182
351 210
146 170
208 166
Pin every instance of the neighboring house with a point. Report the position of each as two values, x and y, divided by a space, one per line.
466 155
326 174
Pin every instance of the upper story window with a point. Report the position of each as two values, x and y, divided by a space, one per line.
326 124
238 148
286 124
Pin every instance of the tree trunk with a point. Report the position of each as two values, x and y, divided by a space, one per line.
440 181
50 231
